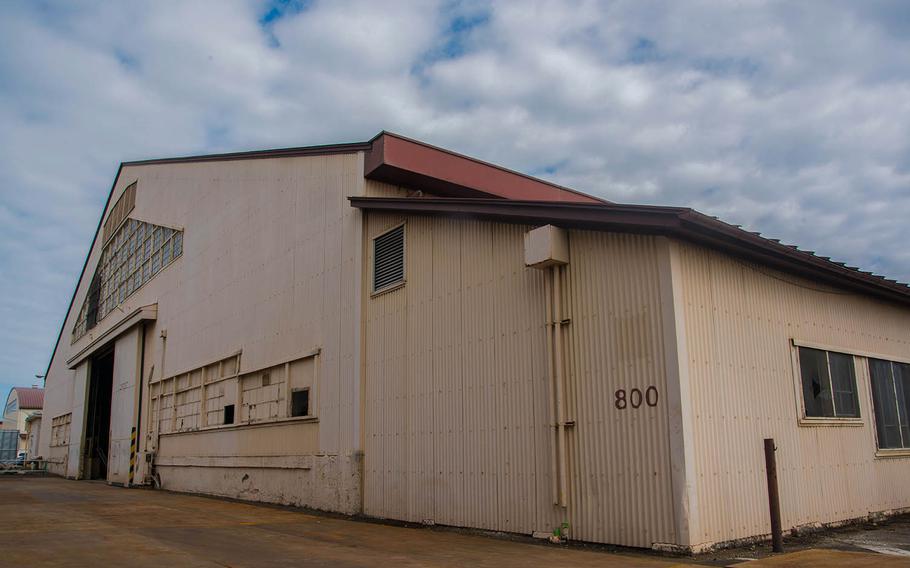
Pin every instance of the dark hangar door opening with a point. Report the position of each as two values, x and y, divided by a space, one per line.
98 420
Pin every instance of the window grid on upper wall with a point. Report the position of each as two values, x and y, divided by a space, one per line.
828 383
133 256
891 402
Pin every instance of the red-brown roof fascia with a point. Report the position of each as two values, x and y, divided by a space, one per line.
679 222
410 163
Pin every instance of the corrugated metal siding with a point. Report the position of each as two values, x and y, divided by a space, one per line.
271 265
739 320
621 491
446 424
456 392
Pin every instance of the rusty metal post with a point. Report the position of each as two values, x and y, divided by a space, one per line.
777 539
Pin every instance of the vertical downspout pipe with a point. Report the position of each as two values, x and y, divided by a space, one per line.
136 439
161 378
560 396
551 380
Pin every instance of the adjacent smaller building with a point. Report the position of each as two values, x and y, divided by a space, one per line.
21 404
33 436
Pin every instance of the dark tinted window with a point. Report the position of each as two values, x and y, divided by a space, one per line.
843 382
229 414
891 399
813 366
300 402
902 387
829 384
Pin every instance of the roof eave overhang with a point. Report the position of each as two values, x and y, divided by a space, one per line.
416 165
681 223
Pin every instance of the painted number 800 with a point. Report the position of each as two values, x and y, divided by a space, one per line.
635 398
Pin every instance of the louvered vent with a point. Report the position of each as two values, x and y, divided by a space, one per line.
388 259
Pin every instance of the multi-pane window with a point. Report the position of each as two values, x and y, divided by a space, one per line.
829 384
891 399
132 256
60 430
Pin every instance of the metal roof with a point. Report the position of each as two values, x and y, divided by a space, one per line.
29 398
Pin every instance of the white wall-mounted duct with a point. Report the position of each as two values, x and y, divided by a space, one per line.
547 248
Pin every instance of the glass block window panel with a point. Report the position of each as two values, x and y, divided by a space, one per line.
891 402
166 253
134 252
178 243
829 384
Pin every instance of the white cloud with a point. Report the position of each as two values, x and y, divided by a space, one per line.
789 118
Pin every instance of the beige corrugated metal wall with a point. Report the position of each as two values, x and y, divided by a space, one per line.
739 323
456 392
621 489
270 267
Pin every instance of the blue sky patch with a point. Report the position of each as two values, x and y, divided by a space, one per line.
278 9
727 66
644 51
455 40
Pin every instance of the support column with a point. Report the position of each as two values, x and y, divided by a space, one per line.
679 398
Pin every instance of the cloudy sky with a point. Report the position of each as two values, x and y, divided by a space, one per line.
790 118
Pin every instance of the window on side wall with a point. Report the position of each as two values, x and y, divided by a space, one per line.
828 383
891 401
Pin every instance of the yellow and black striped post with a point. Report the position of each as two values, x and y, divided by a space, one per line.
132 454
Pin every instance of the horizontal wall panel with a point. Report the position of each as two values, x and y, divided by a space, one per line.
291 438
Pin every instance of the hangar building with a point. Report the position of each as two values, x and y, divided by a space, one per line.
391 329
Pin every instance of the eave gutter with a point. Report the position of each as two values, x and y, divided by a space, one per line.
679 222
